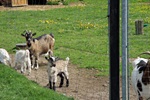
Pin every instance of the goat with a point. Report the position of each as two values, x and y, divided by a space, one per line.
141 77
22 59
55 68
43 44
4 57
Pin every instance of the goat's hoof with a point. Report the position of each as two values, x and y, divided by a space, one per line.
32 67
60 86
15 68
67 85
29 74
22 72
36 68
50 87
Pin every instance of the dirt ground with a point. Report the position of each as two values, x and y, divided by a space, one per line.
39 7
84 85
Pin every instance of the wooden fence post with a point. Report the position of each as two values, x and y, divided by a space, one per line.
138 27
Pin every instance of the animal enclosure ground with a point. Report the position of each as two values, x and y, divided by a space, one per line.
84 85
39 7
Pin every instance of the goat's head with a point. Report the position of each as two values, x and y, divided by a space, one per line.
146 71
29 37
51 61
146 74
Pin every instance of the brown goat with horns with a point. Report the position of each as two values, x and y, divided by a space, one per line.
43 44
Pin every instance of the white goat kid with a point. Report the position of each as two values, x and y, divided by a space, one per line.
22 60
141 78
4 57
55 68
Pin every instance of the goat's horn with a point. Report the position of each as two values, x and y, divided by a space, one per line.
25 31
147 52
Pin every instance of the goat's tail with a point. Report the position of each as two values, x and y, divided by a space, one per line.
52 35
67 61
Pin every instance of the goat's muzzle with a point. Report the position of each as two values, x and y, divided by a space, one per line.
28 43
53 65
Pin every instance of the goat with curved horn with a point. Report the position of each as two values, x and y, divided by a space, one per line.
147 52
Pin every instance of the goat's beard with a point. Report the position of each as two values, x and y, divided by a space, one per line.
29 44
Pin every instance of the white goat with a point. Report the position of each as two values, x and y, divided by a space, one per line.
22 59
141 78
57 68
37 46
4 57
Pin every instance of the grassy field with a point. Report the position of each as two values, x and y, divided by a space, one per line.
138 43
14 86
81 32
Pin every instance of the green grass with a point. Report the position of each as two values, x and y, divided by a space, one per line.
15 86
138 43
81 32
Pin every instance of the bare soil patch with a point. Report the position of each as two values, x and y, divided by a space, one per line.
39 7
84 85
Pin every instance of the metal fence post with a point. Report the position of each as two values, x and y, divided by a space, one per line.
125 69
113 16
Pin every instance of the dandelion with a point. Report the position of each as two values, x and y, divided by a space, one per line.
47 21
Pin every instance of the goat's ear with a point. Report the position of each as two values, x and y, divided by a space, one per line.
52 59
46 58
33 34
22 35
54 65
33 40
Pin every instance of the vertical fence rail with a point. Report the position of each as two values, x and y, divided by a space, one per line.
113 17
125 69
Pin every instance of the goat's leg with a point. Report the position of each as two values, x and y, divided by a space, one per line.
22 67
25 67
67 82
140 98
66 74
29 69
50 84
31 58
16 66
54 87
49 53
54 79
4 62
62 80
9 62
36 63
